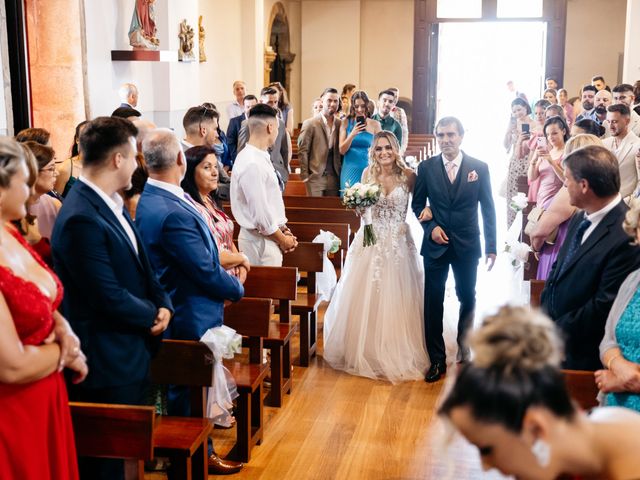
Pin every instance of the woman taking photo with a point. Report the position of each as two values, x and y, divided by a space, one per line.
511 402
356 135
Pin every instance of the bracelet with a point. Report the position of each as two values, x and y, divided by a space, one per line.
611 360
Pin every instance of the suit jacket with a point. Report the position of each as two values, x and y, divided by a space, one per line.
232 135
279 152
579 298
455 207
112 295
184 255
626 161
313 148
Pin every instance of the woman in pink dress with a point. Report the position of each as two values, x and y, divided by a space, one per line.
36 343
546 167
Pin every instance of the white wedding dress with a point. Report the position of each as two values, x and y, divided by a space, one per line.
374 325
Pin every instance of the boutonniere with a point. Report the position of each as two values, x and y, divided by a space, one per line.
473 176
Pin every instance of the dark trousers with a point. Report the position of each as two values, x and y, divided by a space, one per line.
136 394
465 271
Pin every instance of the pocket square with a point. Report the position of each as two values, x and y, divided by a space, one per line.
472 177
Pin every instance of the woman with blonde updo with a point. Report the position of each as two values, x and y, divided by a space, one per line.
373 326
512 403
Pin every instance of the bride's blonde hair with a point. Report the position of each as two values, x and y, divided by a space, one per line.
375 170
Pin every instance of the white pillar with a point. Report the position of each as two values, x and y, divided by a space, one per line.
631 69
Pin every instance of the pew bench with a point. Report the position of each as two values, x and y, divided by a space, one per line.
134 433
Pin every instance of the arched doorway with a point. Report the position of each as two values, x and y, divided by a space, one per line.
278 57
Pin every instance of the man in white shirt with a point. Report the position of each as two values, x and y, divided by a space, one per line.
623 94
256 195
235 108
595 258
624 144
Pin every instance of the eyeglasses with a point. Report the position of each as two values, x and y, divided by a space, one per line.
52 170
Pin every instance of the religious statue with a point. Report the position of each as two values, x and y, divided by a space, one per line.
185 54
142 32
201 35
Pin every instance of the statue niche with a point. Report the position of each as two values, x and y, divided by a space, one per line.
142 32
186 54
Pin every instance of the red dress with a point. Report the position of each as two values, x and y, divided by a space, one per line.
36 435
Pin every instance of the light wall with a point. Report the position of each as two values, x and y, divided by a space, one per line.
594 42
631 71
365 42
5 80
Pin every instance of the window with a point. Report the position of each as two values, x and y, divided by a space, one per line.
519 8
460 8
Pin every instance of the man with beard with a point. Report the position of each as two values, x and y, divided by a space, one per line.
623 144
386 101
623 94
588 98
318 148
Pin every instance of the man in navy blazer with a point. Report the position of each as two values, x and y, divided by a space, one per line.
453 184
112 297
235 124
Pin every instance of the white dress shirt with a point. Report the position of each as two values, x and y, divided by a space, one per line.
234 109
456 161
256 199
175 190
116 205
596 217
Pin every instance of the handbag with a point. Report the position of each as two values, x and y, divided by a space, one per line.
532 220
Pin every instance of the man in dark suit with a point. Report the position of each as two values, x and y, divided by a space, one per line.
233 130
596 257
279 152
112 297
183 253
453 183
318 151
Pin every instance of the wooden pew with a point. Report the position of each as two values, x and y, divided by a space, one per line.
535 292
277 283
308 258
295 188
190 363
324 215
306 232
313 202
133 433
582 387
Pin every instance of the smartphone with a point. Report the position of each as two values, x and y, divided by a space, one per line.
525 128
361 120
542 142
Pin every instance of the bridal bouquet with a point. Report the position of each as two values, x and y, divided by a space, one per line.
361 197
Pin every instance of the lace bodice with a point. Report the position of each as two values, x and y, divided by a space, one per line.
394 240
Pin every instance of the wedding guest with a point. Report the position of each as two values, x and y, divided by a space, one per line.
386 102
221 143
401 117
128 94
588 98
551 83
316 107
512 403
550 232
235 108
595 258
286 110
356 135
636 96
256 194
126 112
539 115
345 100
619 350
200 182
38 135
69 170
546 162
551 96
554 110
516 139
36 343
43 209
624 144
587 126
235 124
576 105
563 101
112 297
598 82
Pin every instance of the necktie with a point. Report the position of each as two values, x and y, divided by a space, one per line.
575 243
451 167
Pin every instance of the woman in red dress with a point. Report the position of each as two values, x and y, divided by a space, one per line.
36 343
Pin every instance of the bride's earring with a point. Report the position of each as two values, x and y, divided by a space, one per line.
542 451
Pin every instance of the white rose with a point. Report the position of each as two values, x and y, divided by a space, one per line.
362 190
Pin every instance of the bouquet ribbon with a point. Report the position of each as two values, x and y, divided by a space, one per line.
223 342
369 234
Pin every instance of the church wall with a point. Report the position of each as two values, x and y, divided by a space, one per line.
594 42
631 71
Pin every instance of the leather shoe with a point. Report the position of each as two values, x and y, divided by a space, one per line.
435 372
220 466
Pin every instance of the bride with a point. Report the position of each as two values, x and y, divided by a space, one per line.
373 326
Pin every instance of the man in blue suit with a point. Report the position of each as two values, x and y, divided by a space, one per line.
235 124
112 297
453 183
183 253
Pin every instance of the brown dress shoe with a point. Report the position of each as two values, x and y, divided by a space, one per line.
220 466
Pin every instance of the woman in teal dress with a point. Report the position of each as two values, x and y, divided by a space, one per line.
620 347
355 140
